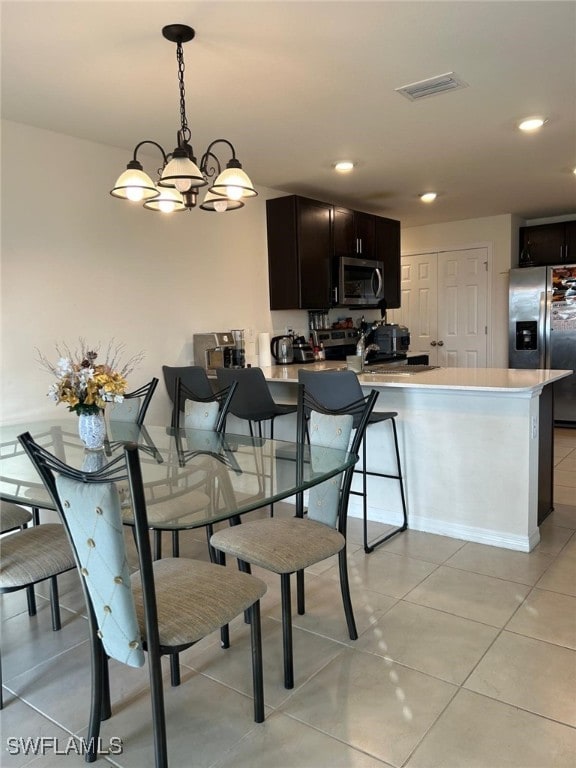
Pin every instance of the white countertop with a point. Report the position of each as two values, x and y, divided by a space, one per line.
481 379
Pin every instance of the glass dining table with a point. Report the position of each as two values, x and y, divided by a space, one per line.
192 478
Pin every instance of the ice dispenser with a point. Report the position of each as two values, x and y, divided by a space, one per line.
526 335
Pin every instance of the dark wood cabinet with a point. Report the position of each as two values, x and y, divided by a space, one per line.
354 233
544 244
306 239
299 253
387 249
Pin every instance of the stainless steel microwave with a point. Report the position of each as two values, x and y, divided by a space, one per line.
360 282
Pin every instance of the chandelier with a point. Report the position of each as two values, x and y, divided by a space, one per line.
180 177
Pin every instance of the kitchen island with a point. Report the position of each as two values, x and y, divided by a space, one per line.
476 448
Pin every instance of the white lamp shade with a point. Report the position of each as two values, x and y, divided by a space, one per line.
134 185
183 174
219 203
168 200
234 184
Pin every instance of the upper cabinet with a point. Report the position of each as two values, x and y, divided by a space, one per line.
306 239
544 244
354 233
299 253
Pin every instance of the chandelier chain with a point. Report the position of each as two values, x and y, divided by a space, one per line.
181 68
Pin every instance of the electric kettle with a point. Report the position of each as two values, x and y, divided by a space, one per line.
282 348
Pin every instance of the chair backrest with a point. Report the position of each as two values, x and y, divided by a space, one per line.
193 377
334 389
201 412
324 427
134 406
252 399
89 507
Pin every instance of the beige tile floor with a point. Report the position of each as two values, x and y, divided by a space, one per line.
466 659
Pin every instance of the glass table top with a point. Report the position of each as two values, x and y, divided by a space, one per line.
192 478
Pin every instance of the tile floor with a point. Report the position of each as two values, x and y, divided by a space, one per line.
466 659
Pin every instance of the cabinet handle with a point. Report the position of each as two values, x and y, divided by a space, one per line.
433 343
335 294
440 343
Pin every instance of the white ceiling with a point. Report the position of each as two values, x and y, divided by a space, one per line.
298 85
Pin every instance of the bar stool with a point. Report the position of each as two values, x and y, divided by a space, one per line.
336 389
252 400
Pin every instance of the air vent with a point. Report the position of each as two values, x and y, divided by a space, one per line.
432 86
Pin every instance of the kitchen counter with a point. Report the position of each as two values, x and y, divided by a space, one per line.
476 447
510 381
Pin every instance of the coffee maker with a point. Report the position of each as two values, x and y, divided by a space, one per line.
224 349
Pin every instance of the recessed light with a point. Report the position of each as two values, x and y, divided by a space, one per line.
344 166
531 123
428 197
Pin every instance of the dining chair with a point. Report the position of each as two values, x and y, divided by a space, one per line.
287 546
134 405
163 608
29 556
335 388
253 401
198 410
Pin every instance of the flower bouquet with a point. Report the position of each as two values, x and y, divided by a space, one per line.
86 386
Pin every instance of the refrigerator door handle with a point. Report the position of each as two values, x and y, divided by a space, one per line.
543 331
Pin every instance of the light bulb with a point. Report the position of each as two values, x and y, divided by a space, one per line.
166 206
234 193
135 194
220 205
182 185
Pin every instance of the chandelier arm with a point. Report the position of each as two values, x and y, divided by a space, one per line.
154 143
220 141
215 169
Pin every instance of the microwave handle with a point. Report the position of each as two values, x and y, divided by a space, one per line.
378 275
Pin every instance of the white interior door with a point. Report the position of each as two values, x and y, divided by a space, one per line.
444 306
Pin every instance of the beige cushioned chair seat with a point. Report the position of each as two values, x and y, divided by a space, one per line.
280 545
12 516
33 555
195 598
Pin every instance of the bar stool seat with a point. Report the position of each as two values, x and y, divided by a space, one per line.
336 389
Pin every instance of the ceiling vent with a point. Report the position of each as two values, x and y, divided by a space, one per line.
432 86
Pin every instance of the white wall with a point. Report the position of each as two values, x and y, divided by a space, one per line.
77 262
500 233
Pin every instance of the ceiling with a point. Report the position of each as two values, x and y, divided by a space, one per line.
298 85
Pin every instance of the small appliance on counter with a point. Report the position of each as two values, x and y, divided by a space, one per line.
392 339
223 349
282 348
303 352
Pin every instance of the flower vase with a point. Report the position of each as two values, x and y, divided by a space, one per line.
92 430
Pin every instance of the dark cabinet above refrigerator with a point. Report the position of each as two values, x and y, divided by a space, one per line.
547 244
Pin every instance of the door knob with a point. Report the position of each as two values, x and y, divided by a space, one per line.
440 343
432 343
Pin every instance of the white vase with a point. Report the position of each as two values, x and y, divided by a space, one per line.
92 430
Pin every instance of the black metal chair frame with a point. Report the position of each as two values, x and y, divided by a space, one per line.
375 418
180 394
253 402
127 467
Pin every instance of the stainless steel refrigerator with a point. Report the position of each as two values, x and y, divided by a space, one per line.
542 328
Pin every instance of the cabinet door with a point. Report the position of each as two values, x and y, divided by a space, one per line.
314 249
344 233
387 249
570 242
365 234
544 243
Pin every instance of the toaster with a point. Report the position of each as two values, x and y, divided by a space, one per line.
303 353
